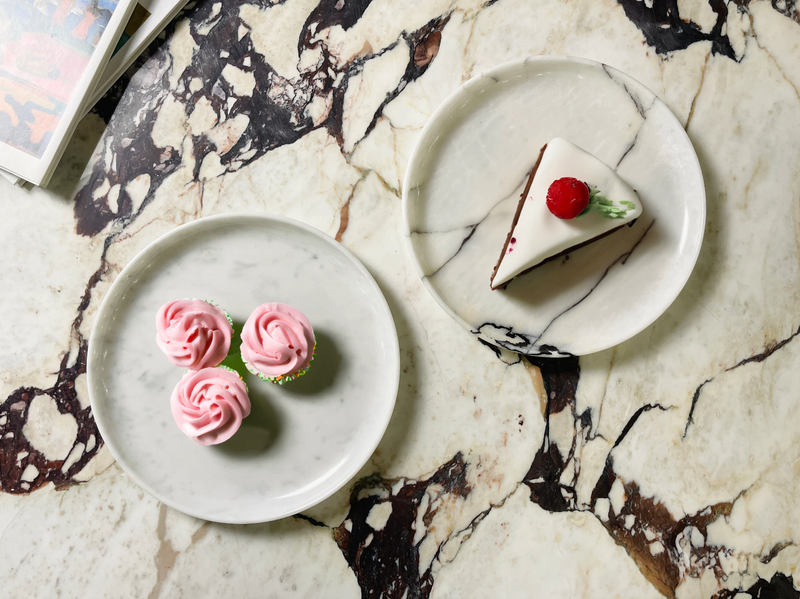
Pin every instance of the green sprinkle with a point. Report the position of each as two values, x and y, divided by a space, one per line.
283 379
605 207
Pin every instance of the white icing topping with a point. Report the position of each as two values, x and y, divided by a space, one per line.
539 234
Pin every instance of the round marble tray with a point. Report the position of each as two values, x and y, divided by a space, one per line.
469 168
303 440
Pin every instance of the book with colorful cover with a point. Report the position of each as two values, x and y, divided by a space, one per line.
52 55
148 19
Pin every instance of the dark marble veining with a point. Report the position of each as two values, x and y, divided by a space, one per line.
276 116
560 377
16 451
386 561
274 120
759 357
779 586
376 556
665 29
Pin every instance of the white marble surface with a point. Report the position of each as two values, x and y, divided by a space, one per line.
665 465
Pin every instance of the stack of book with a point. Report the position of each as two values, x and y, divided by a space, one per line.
57 58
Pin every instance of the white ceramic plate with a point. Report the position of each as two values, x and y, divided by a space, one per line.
469 167
303 440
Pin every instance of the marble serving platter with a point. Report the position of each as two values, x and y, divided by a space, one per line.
303 440
464 181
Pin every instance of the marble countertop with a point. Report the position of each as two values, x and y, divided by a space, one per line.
669 465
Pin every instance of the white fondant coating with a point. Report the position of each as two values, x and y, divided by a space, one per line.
539 234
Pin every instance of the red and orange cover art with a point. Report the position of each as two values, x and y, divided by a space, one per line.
45 46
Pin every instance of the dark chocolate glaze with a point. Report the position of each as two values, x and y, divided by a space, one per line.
514 222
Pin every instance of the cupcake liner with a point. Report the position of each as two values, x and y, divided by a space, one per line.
282 379
277 325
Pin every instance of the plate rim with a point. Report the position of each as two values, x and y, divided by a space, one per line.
393 380
452 99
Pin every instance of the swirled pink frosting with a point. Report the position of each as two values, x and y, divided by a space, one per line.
209 404
193 333
277 339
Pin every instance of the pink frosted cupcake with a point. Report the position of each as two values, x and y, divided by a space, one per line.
277 343
208 405
194 334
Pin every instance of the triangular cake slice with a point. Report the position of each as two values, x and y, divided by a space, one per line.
537 235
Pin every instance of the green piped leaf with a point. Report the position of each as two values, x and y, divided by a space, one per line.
606 207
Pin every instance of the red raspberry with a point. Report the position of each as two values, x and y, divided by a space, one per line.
567 197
